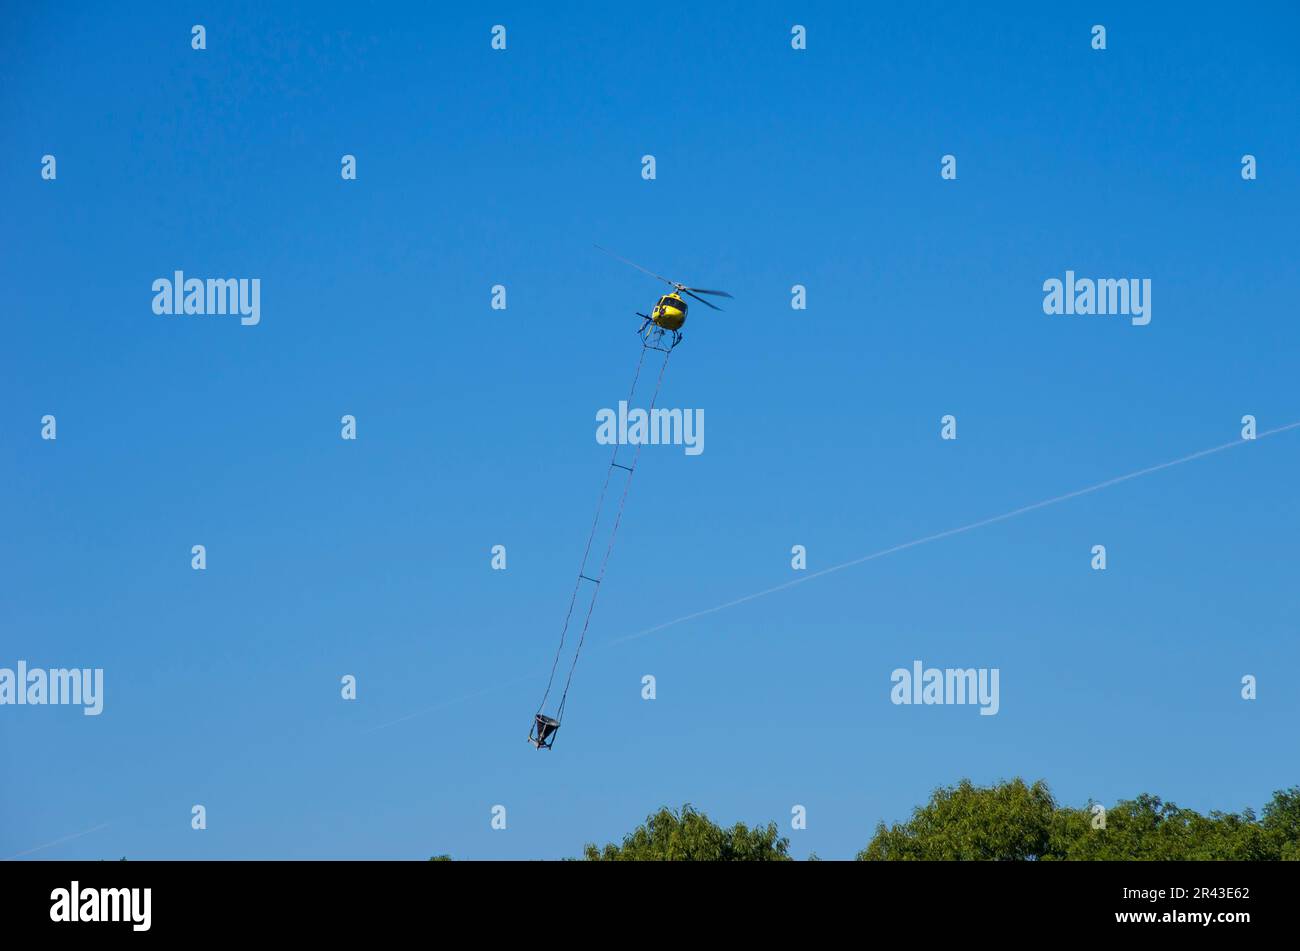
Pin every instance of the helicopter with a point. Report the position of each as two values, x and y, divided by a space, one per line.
669 313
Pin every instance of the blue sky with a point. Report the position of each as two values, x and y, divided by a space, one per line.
476 426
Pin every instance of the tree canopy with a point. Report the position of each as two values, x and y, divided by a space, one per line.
690 836
1015 821
963 822
1008 821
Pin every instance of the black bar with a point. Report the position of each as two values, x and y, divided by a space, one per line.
976 902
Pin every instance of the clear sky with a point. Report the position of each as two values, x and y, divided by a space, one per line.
476 427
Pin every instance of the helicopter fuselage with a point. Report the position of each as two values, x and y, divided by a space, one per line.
670 312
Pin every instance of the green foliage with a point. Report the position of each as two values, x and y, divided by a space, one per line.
1008 821
965 822
1281 823
1012 821
1147 828
689 836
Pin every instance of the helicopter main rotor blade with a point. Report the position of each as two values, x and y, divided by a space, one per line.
639 267
700 290
687 290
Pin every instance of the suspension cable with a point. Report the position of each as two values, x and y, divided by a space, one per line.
618 518
595 523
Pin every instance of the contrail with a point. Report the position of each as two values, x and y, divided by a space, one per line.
455 700
950 532
865 558
790 584
50 845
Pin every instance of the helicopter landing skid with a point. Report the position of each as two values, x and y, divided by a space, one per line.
652 335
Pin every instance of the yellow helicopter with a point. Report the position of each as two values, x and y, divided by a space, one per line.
670 312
